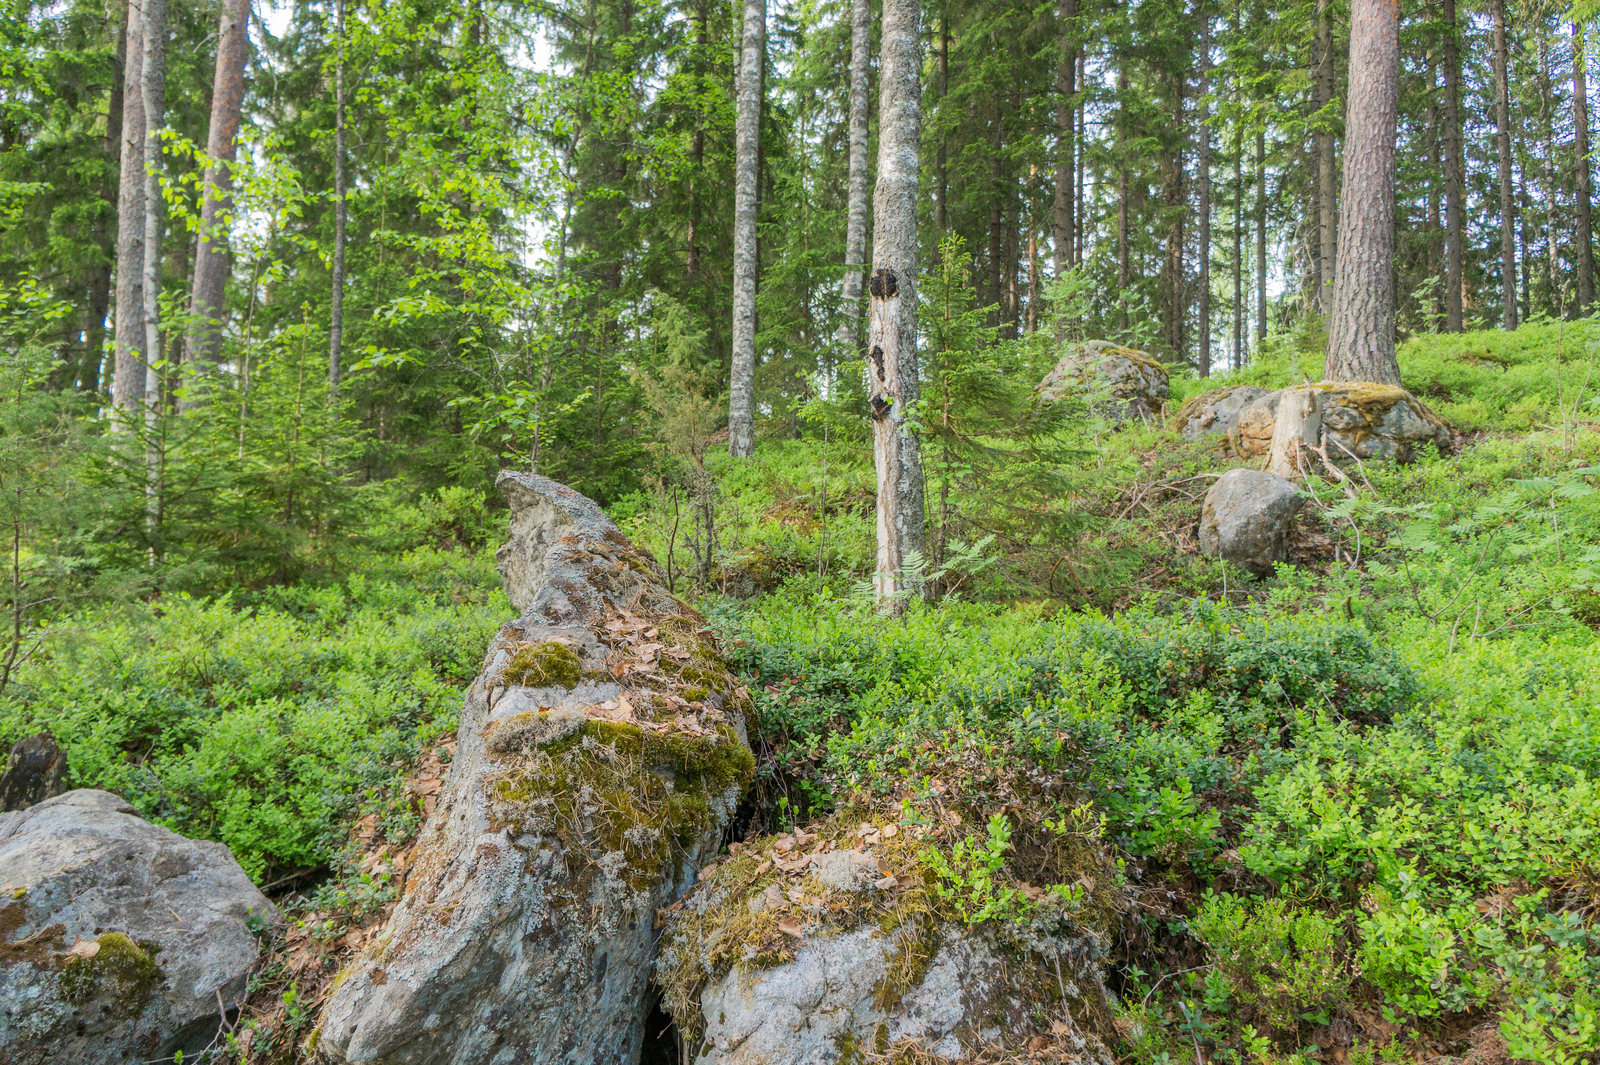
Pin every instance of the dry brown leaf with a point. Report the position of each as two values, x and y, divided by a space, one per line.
784 845
1058 1028
85 948
891 831
791 926
884 867
762 868
886 883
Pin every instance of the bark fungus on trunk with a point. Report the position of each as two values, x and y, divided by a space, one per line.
1508 211
127 384
1361 345
208 290
892 322
1583 212
1455 183
340 215
747 139
855 238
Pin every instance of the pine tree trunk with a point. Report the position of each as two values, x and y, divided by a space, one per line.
1081 141
152 90
1203 174
127 384
855 238
1584 237
1435 234
1175 204
1361 347
340 216
892 324
1552 239
1261 236
1238 249
747 138
1124 276
1508 210
941 164
1454 176
1066 145
208 290
99 306
1327 193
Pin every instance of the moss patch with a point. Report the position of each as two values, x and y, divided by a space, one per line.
122 968
544 665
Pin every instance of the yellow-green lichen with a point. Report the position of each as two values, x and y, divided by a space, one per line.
121 967
544 665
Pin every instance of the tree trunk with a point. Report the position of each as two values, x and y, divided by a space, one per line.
1435 235
1454 176
1203 174
207 293
127 384
941 165
1066 120
340 216
1175 208
1080 141
1238 249
1361 346
1326 177
855 238
1298 427
1261 236
99 306
892 328
152 90
1584 237
1552 240
747 145
1508 210
1123 190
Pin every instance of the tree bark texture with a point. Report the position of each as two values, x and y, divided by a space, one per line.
127 384
1261 236
892 324
1361 346
208 290
1583 207
152 90
855 235
1455 182
94 323
1203 175
747 139
1326 176
340 216
1508 211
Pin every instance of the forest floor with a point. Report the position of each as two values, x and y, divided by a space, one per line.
1356 805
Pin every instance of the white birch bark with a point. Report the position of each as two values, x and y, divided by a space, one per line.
747 129
855 234
128 373
892 317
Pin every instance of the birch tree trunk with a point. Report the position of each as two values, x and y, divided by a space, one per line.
340 217
1584 237
152 90
127 382
747 138
892 321
1455 183
211 261
1361 346
855 234
1508 213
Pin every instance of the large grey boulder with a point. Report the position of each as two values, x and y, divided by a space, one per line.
1360 420
1245 519
601 754
120 941
1214 413
829 947
1136 382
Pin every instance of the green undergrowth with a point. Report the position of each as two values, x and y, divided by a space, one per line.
268 722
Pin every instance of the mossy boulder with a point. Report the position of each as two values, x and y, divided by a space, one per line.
601 755
1215 411
118 938
1360 420
845 938
1128 384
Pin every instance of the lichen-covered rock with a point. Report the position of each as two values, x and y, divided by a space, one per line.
806 948
1137 383
601 754
118 938
1245 519
1215 412
1359 419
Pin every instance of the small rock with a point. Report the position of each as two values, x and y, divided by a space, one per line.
1245 519
118 938
1138 383
38 771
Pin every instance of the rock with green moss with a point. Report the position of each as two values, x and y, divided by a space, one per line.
118 938
1214 412
1360 420
601 755
1125 383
